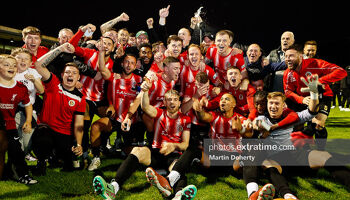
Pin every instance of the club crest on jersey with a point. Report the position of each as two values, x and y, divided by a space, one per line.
240 97
71 103
179 128
13 97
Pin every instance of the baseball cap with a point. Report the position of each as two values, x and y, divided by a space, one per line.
141 33
209 35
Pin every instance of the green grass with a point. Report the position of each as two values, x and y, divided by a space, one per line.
78 185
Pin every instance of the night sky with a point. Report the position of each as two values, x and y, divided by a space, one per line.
251 22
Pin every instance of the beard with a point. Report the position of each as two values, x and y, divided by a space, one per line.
125 72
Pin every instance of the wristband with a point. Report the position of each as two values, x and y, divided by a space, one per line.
313 96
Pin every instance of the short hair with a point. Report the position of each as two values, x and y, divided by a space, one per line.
233 67
310 42
129 54
296 47
108 38
146 45
132 34
123 29
202 77
195 46
71 64
260 94
276 94
225 32
18 50
155 45
30 30
65 29
173 38
6 56
172 92
169 60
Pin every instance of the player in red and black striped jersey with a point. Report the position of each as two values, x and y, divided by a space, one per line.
224 124
122 91
171 137
12 94
203 91
244 98
160 85
93 88
223 57
61 120
189 72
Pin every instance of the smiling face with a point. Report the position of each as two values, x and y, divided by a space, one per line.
24 61
194 55
310 50
227 103
123 36
253 53
185 35
112 34
260 104
293 59
108 45
8 67
222 42
141 39
275 106
129 64
172 70
70 77
172 102
32 42
145 54
174 48
64 36
234 77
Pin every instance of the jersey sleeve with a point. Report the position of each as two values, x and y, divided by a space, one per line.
81 107
289 86
213 77
240 62
253 113
50 83
332 72
289 117
25 97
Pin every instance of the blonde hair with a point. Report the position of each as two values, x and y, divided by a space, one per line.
30 30
276 94
172 92
16 51
6 56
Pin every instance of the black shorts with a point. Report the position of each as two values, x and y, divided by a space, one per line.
134 137
325 105
159 161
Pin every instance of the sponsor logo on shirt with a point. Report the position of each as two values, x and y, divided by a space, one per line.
6 106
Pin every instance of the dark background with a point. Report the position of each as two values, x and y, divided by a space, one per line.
252 22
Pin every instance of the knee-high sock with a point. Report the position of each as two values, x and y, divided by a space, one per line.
279 181
127 168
